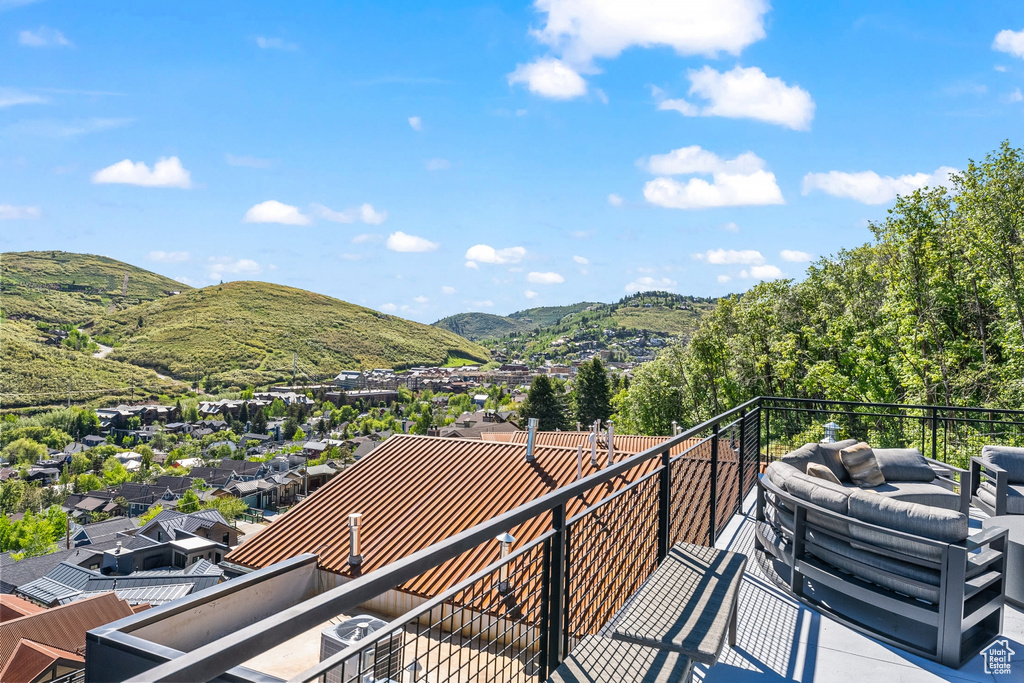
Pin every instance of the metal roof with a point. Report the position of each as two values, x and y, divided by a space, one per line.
30 661
416 491
12 607
624 443
63 627
109 583
14 574
47 591
71 575
154 595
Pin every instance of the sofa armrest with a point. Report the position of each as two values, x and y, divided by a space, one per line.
986 537
982 471
956 476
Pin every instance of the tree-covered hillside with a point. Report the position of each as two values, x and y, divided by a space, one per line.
931 311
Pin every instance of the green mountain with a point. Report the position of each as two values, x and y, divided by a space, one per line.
59 287
479 326
243 333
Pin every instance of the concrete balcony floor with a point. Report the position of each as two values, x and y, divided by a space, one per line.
780 639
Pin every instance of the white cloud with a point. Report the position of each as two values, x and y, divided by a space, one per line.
43 37
472 265
399 241
366 238
728 257
767 272
544 278
722 279
272 211
184 280
647 284
482 253
365 213
389 308
582 260
1015 96
1010 42
795 256
731 227
169 256
486 303
51 128
10 97
438 164
870 188
756 189
275 44
581 30
746 93
447 290
351 257
416 123
165 173
247 161
529 294
420 299
614 199
218 266
694 159
549 77
9 212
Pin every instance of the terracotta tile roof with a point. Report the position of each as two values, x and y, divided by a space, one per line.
62 627
414 491
30 660
624 443
13 607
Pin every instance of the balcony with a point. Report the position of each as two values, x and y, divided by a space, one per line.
518 618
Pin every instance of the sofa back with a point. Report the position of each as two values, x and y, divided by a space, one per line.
1010 458
826 454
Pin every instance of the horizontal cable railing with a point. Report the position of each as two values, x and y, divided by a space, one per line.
515 620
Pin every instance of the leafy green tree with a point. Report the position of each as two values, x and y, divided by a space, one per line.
24 451
114 473
229 506
134 422
592 398
299 435
289 428
88 482
546 403
189 502
277 408
80 463
149 514
259 421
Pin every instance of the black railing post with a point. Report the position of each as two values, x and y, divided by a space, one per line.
556 589
935 433
760 411
664 505
713 514
742 463
767 434
545 607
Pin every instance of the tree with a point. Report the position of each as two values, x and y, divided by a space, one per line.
134 422
243 412
24 451
189 502
546 403
229 506
88 482
290 428
592 398
299 435
277 408
114 473
149 514
80 463
259 421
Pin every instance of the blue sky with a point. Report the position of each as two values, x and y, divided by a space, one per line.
427 161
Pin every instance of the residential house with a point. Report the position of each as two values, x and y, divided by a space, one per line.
208 524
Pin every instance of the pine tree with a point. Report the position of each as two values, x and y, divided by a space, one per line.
592 399
545 403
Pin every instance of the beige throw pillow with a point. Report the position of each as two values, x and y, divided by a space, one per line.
822 472
859 461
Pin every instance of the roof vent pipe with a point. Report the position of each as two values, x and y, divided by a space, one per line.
579 462
530 437
593 451
611 443
675 428
354 558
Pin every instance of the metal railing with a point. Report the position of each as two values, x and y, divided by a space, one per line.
590 545
593 542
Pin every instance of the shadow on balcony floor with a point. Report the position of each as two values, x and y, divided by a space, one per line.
781 639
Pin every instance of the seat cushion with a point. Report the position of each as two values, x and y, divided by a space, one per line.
821 472
884 571
823 494
800 457
921 493
778 472
946 526
859 461
1014 497
1009 458
903 464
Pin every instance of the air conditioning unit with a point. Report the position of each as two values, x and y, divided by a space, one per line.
381 661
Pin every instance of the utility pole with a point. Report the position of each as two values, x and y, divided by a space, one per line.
69 392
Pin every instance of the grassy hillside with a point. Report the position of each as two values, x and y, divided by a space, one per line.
243 333
36 374
59 287
480 326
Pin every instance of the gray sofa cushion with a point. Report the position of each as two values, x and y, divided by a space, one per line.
926 521
903 464
778 472
1009 458
879 570
803 455
821 472
1014 497
823 494
829 456
921 493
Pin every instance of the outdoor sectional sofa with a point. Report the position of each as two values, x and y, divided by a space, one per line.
997 480
895 561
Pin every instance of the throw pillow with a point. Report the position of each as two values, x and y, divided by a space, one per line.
821 472
859 461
